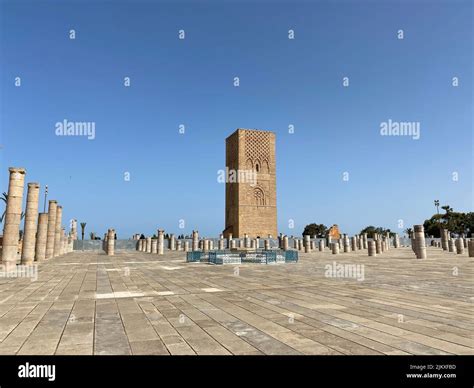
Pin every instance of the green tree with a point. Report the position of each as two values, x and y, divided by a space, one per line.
371 230
318 230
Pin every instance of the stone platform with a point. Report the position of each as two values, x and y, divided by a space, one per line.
139 303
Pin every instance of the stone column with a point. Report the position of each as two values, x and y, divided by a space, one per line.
154 245
221 244
354 243
372 248
335 248
196 240
246 240
321 245
285 243
346 243
179 245
459 246
110 242
51 228
378 246
74 229
365 241
444 239
186 246
266 244
11 229
62 249
229 239
257 243
307 243
470 247
396 241
30 225
172 243
41 235
451 246
148 245
295 243
233 244
420 245
161 242
57 234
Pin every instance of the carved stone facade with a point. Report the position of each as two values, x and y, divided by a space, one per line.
251 205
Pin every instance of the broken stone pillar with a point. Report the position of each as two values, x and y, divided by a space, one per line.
372 248
321 245
420 245
252 244
41 235
11 229
354 244
161 241
186 246
211 245
62 250
313 245
300 245
470 248
365 240
346 244
396 241
57 234
246 240
459 246
464 239
172 243
335 248
30 225
110 242
221 244
285 243
266 244
229 241
74 229
179 245
233 244
295 244
378 246
154 245
329 241
451 246
257 243
444 239
148 245
195 240
205 245
307 243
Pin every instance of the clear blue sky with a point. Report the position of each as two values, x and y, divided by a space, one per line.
282 82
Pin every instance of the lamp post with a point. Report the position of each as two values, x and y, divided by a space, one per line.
436 203
45 196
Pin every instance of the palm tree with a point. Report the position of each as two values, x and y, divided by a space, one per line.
83 227
408 231
4 198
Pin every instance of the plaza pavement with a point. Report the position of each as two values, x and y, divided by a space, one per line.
138 303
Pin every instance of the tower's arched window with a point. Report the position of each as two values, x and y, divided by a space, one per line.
257 167
259 197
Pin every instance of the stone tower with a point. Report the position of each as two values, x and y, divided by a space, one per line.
250 206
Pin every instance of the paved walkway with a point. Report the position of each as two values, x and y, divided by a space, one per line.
138 303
